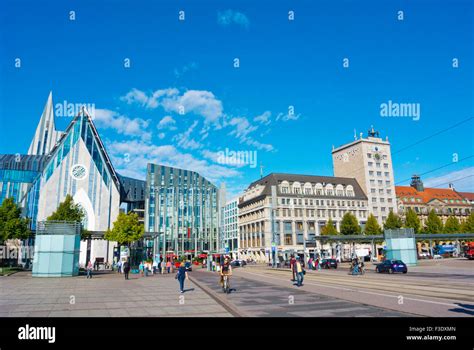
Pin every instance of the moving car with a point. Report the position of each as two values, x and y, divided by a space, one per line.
391 266
329 263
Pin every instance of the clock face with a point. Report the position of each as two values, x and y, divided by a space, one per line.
78 172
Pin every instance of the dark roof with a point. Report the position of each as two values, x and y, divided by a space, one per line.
23 162
274 179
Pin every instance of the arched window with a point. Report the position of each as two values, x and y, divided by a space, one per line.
308 189
329 190
350 191
319 190
285 187
340 191
296 187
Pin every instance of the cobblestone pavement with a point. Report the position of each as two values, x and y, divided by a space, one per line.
257 298
104 295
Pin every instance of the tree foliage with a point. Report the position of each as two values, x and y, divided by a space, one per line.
433 224
372 227
68 211
12 224
127 229
350 225
329 229
468 225
412 220
393 222
452 225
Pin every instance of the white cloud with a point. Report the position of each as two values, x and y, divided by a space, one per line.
186 68
184 139
161 135
107 119
263 118
167 123
285 117
131 159
200 102
463 180
228 17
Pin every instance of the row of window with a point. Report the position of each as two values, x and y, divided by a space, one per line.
318 202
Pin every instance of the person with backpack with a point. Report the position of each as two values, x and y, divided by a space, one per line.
299 272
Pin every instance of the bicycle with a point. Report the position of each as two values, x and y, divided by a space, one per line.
225 284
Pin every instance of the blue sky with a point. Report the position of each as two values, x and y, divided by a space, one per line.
284 66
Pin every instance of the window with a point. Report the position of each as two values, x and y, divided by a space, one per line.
370 164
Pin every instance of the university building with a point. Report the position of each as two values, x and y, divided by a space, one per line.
284 210
445 202
369 161
75 162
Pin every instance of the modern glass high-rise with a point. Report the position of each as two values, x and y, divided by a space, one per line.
181 210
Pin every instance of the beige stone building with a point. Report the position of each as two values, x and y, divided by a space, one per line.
284 210
369 161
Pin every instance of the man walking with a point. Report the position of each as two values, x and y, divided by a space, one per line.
126 269
181 276
299 272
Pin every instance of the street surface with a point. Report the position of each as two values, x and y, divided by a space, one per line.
434 288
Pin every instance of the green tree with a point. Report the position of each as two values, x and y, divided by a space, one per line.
329 229
372 227
127 229
350 225
452 225
433 223
393 222
12 224
69 211
412 220
468 225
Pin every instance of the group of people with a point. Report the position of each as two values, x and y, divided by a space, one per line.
357 266
297 270
314 264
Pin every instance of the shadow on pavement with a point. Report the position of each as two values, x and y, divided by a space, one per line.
464 309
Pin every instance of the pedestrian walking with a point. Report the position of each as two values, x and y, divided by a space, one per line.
154 266
168 266
119 266
126 269
140 268
299 272
181 275
89 269
292 267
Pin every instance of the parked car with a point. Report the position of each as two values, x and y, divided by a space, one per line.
329 263
391 266
238 263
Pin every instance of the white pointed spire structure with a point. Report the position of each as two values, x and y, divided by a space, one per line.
46 134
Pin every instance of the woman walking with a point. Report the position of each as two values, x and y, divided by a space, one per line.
181 275
89 269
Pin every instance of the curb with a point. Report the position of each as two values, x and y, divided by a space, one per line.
219 299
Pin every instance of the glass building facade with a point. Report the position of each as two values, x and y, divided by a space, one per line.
181 209
18 175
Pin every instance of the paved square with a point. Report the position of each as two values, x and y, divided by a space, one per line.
104 295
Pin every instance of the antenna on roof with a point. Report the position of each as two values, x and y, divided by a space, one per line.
261 169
